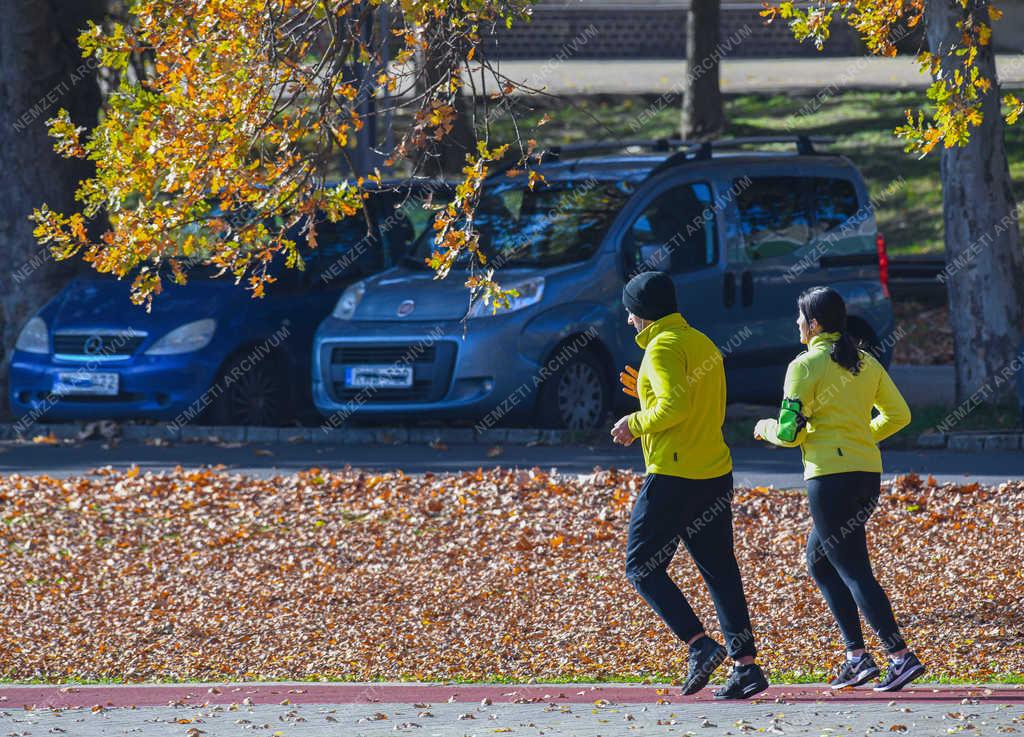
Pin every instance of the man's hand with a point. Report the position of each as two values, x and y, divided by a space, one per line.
628 378
760 429
621 433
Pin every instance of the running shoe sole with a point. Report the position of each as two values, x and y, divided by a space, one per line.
860 680
903 679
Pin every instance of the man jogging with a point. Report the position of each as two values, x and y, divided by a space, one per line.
687 493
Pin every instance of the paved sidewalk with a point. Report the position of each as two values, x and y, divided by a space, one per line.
753 466
738 76
305 710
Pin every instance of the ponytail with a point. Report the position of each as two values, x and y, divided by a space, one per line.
846 352
826 305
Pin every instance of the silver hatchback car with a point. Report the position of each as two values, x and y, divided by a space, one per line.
741 232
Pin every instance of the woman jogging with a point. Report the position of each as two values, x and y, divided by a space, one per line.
829 393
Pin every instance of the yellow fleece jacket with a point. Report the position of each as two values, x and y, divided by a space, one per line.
681 387
840 435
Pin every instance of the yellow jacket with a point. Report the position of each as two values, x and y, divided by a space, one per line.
681 386
840 435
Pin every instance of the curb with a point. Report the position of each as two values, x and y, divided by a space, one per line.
316 435
972 440
597 694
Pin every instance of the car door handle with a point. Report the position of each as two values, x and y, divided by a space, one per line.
729 289
747 289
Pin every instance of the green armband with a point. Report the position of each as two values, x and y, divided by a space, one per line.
791 420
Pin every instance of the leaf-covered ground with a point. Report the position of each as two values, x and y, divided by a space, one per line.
503 574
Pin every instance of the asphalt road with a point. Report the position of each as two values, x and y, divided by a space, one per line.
753 466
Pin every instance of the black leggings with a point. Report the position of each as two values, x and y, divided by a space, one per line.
837 556
698 513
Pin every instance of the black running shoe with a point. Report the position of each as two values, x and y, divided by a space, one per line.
855 672
900 673
705 656
744 682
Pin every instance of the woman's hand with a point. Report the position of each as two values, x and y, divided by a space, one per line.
621 433
628 379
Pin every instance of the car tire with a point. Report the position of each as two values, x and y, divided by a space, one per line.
251 393
577 396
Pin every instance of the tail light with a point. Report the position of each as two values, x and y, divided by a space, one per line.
883 263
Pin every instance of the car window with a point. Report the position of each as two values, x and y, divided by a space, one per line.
774 215
557 222
675 232
835 202
398 217
405 215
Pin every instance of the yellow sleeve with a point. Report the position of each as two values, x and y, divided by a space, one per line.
666 372
893 412
800 384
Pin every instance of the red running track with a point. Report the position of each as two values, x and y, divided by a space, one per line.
70 697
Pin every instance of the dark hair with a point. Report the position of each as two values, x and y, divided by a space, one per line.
825 305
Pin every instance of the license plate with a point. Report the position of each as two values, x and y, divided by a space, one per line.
387 376
85 383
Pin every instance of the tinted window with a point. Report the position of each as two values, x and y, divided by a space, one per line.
675 232
774 217
559 222
349 247
835 202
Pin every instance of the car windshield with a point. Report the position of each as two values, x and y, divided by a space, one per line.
556 223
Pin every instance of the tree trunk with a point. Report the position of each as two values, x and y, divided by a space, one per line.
702 99
984 262
41 71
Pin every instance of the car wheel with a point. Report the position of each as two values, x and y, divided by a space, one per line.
576 396
252 394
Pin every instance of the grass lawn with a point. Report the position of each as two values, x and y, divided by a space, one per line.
863 121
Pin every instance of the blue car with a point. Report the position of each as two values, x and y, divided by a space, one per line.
207 349
741 232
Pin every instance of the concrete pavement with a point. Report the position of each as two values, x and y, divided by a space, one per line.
302 709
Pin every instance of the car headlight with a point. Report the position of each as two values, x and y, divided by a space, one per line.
192 336
349 300
530 293
33 337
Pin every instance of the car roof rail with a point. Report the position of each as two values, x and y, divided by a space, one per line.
804 143
554 153
684 151
703 150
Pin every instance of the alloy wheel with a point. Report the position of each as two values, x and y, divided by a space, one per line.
580 396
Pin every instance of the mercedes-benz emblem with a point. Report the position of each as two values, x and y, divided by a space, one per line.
93 345
406 307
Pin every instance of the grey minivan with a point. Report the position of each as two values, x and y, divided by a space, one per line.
741 232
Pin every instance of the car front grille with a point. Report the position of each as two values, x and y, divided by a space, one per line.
91 345
431 369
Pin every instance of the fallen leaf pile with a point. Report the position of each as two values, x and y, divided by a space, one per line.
502 573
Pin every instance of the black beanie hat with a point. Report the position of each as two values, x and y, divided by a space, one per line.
650 295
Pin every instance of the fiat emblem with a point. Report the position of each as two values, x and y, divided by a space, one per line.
406 307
